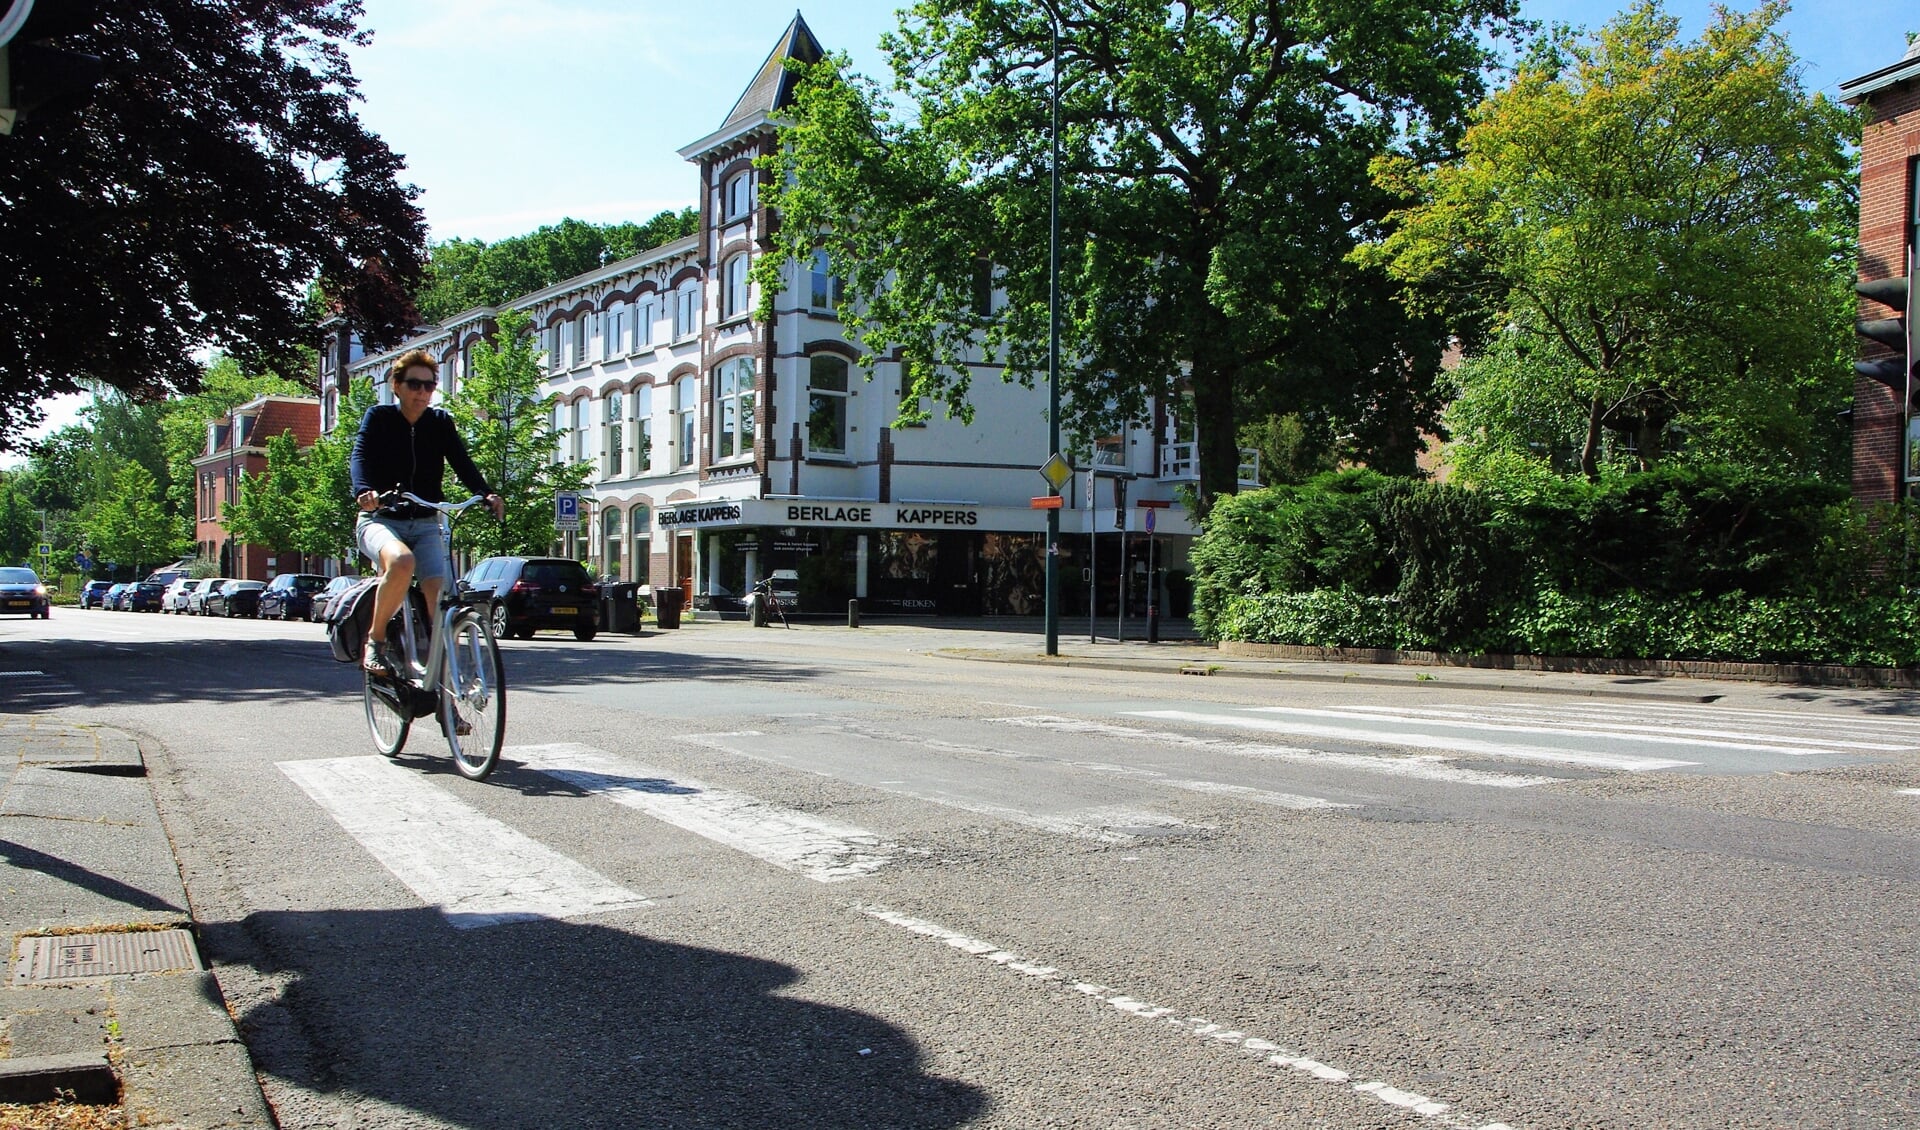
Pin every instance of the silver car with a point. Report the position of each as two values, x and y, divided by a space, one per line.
197 599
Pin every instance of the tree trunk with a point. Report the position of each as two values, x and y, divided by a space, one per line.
1215 430
1590 453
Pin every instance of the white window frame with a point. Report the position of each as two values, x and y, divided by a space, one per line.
686 311
686 412
736 196
582 417
817 394
613 328
643 430
582 334
733 410
824 288
643 324
736 288
613 423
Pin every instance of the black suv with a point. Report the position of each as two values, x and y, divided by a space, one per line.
526 594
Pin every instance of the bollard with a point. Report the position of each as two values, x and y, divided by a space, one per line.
756 610
853 613
1153 623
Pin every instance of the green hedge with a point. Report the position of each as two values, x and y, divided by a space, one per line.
1691 562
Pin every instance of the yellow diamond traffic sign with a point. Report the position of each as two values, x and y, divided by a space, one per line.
1056 471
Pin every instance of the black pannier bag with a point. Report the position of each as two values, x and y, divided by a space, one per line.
349 620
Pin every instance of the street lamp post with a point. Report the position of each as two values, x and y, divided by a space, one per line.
1053 339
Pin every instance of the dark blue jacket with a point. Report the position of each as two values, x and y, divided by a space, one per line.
390 452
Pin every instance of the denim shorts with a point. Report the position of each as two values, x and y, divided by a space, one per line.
421 535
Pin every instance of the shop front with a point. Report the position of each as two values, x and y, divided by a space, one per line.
909 559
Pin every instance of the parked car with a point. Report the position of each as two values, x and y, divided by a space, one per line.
525 594
289 596
111 600
236 598
144 597
94 594
176 598
197 599
22 594
166 576
323 600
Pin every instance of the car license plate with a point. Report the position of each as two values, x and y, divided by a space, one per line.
29 604
563 611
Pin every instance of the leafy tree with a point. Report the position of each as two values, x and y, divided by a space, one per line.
508 424
325 512
19 524
217 171
129 525
1292 448
465 273
1213 173
265 511
1666 224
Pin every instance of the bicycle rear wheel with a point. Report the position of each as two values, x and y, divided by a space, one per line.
473 695
387 719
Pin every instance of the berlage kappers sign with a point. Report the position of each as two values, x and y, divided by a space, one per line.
765 512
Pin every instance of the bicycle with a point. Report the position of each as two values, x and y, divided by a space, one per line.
770 603
461 678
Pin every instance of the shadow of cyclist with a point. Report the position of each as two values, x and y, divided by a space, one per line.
553 1023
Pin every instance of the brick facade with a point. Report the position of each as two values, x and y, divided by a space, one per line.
1890 144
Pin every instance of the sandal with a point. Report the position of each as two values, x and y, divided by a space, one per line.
374 659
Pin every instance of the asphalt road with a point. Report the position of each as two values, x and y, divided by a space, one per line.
738 878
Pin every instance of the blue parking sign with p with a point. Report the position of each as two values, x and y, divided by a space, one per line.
566 510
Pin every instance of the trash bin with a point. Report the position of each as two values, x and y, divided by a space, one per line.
620 607
666 606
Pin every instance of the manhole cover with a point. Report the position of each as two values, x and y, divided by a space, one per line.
71 957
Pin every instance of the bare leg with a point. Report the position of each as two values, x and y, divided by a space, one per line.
396 573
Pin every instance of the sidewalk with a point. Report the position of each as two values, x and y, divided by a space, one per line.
1198 659
104 990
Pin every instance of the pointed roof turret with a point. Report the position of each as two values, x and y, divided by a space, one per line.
771 89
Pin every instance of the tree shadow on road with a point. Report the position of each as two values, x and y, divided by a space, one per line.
554 1023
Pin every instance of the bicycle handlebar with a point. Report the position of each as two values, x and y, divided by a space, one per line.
389 498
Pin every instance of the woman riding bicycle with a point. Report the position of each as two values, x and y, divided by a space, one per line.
407 445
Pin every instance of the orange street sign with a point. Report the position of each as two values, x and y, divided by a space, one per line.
1050 502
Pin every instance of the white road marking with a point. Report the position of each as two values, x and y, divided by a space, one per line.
1668 733
1911 792
478 871
7 674
1272 1053
1417 740
1697 711
821 850
1419 767
1150 776
1108 824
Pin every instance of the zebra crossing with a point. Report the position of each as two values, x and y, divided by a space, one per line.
479 871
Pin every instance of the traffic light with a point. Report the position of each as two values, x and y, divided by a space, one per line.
37 77
1890 332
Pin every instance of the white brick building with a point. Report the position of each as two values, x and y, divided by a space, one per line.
724 448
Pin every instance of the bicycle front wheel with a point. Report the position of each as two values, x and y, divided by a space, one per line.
387 719
473 695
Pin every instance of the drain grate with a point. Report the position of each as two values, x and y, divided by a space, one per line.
73 957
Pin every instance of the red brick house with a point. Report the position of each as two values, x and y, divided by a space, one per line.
237 445
1884 386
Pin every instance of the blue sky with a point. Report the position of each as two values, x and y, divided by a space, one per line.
512 115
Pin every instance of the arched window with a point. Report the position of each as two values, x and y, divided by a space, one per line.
738 200
827 405
610 544
825 288
615 432
733 299
686 310
686 409
733 409
581 422
643 430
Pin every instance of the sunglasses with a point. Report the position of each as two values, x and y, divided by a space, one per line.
419 386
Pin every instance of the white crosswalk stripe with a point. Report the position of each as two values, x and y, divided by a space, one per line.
1414 739
818 849
476 870
1667 724
1417 767
1668 734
